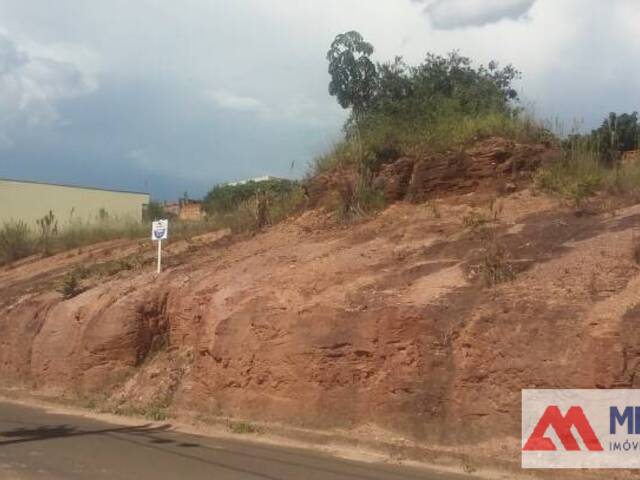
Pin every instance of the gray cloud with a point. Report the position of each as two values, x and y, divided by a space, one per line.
451 14
31 87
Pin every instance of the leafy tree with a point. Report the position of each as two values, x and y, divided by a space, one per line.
395 83
618 133
353 74
453 77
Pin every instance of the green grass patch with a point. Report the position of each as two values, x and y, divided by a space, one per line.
580 173
385 138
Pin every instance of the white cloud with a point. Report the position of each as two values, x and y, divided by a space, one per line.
294 108
31 87
450 14
230 101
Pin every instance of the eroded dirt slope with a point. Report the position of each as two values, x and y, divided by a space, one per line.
387 322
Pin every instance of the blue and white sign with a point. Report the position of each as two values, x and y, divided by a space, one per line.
160 230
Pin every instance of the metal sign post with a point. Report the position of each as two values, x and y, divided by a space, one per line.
159 232
159 257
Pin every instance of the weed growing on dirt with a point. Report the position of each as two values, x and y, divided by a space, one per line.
358 200
111 267
16 241
156 413
495 267
467 465
47 231
475 220
243 428
124 410
156 410
70 286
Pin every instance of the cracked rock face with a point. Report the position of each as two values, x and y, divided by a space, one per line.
486 162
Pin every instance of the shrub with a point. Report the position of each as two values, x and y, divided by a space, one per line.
109 268
241 220
358 200
225 198
48 229
252 206
579 173
625 180
157 413
495 267
344 154
16 241
243 428
70 285
475 220
285 204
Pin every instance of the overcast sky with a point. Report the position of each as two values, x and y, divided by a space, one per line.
170 96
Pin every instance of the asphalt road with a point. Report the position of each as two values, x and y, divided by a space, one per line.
35 444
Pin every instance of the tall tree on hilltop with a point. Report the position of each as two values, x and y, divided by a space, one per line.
353 74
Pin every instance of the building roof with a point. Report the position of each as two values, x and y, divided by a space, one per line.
2 179
264 178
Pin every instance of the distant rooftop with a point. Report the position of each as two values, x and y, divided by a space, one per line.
66 185
264 178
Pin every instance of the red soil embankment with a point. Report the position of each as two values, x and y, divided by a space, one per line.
383 323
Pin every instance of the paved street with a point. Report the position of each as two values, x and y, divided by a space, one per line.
35 444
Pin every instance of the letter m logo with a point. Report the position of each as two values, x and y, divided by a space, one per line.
562 425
